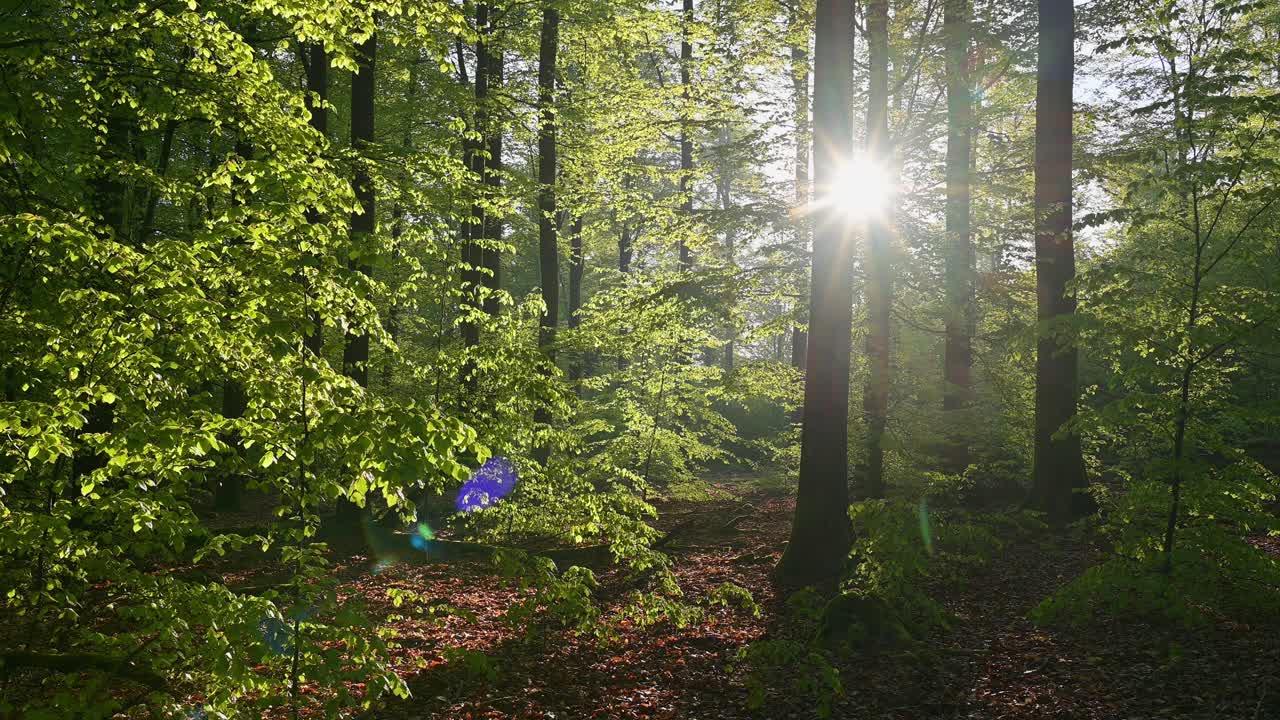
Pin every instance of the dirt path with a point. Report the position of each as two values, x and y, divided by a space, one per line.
992 664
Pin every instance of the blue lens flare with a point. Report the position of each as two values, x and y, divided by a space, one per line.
278 634
486 486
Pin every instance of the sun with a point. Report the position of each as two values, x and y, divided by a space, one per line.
863 189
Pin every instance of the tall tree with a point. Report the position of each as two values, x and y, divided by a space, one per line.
800 93
548 250
958 355
686 139
472 227
235 400
355 353
625 235
1059 467
577 267
355 350
724 186
317 63
490 256
820 534
879 270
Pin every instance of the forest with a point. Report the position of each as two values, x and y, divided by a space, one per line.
640 359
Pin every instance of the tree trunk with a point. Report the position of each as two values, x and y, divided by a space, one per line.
800 91
1059 468
227 497
355 353
472 227
879 271
231 485
820 534
958 359
624 237
317 95
577 266
548 251
686 141
723 188
490 256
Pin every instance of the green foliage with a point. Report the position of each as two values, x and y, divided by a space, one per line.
794 662
731 595
892 554
808 671
1175 314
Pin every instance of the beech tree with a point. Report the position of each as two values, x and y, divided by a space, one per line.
878 259
820 534
1059 466
958 355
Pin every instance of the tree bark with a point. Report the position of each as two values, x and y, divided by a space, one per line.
686 141
472 227
724 187
355 353
1059 467
577 267
800 92
317 96
228 496
820 534
548 250
490 256
625 237
958 356
879 270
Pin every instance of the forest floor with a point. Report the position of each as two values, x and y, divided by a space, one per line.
992 663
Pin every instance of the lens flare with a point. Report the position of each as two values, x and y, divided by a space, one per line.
486 486
862 189
926 532
423 536
278 634
275 634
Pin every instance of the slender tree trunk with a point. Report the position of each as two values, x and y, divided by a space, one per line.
958 359
724 187
231 485
490 255
879 270
820 534
355 353
398 227
162 169
317 96
1059 467
800 92
235 400
625 237
472 228
577 267
111 208
686 141
548 251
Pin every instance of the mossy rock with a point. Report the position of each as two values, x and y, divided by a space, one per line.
860 623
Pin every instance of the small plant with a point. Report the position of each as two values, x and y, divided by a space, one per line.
806 669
